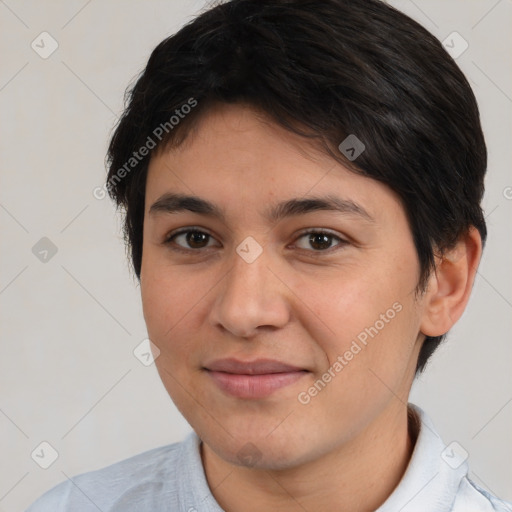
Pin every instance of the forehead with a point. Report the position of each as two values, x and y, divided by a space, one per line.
238 158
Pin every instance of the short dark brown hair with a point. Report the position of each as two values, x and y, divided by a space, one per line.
324 69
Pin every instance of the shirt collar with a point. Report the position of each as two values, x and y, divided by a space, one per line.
433 475
430 482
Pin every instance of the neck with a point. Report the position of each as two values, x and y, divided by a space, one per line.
358 476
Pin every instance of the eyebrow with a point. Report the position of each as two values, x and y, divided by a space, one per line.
175 203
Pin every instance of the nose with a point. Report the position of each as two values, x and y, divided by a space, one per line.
250 298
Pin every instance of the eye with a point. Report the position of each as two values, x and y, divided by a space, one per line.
191 239
319 241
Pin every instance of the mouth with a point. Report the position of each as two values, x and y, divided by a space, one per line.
253 379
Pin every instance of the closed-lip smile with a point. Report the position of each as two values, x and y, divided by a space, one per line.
256 367
253 379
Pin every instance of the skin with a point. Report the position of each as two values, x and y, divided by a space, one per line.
299 303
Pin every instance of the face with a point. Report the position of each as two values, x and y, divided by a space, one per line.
283 254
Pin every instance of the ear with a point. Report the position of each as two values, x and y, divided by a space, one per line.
449 286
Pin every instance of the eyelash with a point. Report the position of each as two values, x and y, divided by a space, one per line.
169 240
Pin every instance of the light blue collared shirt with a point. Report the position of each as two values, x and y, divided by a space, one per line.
171 478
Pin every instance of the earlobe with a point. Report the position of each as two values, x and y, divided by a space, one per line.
450 285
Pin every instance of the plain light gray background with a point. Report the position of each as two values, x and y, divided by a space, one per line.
68 375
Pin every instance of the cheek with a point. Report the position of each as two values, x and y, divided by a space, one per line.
168 294
344 301
366 315
367 348
167 305
175 301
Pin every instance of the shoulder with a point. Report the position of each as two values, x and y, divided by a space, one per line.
470 496
145 477
438 478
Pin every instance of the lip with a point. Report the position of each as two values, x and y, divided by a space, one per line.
256 367
253 379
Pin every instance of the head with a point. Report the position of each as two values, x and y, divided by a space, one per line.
246 119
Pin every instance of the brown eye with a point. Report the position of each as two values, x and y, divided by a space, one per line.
320 241
191 239
196 239
317 241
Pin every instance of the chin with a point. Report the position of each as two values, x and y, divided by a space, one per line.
252 456
259 452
